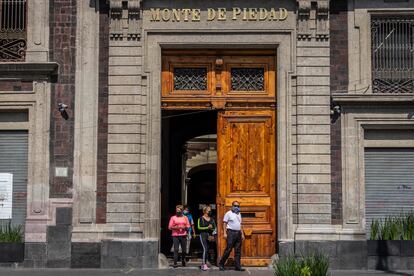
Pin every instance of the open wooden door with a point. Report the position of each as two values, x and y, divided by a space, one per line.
246 173
241 83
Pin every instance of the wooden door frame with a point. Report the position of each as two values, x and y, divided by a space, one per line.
241 103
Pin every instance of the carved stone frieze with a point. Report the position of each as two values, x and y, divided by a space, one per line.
125 19
313 19
116 18
134 24
322 19
304 9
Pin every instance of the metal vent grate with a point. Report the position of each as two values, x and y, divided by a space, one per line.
392 54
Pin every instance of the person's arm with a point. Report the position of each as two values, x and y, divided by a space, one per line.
242 232
225 221
225 229
187 223
199 227
192 227
171 224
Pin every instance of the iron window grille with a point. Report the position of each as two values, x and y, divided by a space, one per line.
247 79
392 54
190 78
13 35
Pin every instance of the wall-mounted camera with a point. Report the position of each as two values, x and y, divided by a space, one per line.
62 109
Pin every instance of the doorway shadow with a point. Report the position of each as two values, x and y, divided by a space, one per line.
178 127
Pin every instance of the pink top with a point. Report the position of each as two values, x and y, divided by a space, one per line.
179 221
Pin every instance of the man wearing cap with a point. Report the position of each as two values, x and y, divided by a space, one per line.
233 233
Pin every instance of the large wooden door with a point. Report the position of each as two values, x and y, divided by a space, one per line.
246 173
242 84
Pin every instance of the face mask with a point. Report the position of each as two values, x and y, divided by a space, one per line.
235 209
209 213
179 213
185 212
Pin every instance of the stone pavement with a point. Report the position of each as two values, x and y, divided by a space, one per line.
175 272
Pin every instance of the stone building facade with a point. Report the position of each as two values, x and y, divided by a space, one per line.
96 189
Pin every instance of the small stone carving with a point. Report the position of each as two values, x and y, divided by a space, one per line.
134 24
116 19
304 9
322 19
125 19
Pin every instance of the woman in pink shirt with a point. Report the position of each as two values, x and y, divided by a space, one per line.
178 225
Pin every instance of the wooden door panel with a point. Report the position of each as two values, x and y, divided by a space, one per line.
246 173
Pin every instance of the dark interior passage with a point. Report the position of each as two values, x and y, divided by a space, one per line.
177 128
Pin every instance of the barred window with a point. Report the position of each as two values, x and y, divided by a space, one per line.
247 79
190 78
392 54
12 30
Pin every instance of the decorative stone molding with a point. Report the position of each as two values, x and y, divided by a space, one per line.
322 19
116 18
125 17
304 9
313 19
134 24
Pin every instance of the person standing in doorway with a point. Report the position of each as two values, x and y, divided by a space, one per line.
207 227
233 233
190 230
179 225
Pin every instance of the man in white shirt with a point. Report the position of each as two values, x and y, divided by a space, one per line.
232 223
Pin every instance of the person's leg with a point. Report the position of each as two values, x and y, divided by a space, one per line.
229 247
175 242
187 251
183 247
237 250
203 244
214 245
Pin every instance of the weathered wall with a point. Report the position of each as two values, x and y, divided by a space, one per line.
339 84
63 51
312 197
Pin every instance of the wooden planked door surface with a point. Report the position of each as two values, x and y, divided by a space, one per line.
247 173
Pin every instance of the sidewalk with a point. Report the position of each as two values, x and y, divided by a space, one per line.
177 272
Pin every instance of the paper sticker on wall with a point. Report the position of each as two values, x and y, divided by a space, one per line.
6 195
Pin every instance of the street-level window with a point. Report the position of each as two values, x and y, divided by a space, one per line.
13 30
392 54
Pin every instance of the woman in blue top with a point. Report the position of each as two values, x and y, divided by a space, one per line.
207 228
190 231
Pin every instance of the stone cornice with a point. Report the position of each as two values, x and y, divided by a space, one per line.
28 70
352 99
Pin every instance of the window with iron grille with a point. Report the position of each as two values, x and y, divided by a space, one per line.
392 54
12 30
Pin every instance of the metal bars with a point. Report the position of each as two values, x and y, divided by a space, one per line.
392 54
190 79
12 30
247 79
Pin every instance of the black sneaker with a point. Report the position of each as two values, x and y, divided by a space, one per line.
175 266
221 267
183 263
239 269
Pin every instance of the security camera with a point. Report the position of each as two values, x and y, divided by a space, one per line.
62 109
62 106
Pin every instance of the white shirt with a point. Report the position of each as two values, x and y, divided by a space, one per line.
233 220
